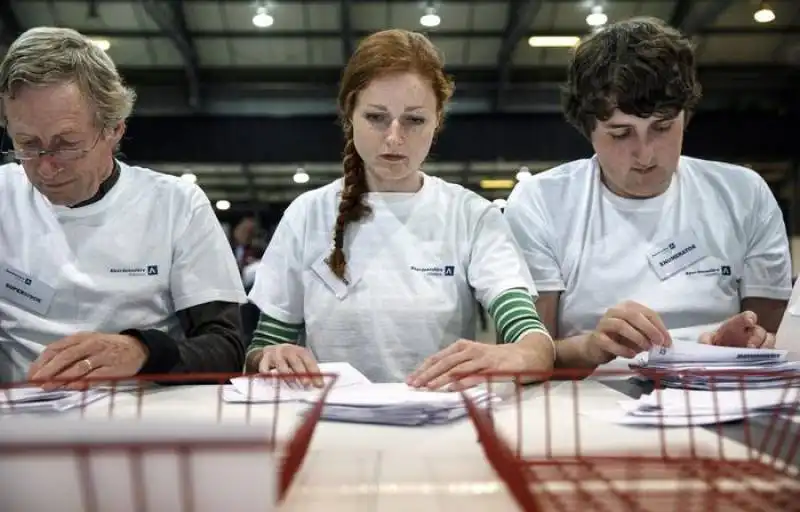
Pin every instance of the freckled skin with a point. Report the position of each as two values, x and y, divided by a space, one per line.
395 114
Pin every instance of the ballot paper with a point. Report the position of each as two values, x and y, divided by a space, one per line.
682 352
399 404
354 398
37 400
698 366
675 407
256 389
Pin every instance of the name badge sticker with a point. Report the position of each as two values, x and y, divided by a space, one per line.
25 291
675 254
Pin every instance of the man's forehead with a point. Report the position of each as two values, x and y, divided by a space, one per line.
619 118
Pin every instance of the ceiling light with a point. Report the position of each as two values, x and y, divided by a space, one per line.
597 17
223 205
523 174
103 44
262 19
497 184
554 41
301 176
430 18
764 14
191 178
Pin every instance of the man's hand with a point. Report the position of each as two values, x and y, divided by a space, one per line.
624 331
464 357
88 354
741 330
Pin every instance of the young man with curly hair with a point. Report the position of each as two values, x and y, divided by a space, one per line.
638 245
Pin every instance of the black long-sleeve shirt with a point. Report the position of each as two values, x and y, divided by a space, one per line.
213 344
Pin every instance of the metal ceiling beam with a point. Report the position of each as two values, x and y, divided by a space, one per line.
306 81
781 52
680 12
170 18
12 27
521 14
406 2
345 22
438 34
704 15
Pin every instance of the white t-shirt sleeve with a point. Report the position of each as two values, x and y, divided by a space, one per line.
767 262
203 267
495 263
278 289
526 214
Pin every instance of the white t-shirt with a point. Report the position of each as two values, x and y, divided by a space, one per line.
595 247
152 246
415 268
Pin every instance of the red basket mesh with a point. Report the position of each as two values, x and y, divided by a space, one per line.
121 435
554 457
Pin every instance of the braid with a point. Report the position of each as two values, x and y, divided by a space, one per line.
351 205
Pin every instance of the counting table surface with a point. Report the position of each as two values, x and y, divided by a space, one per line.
357 467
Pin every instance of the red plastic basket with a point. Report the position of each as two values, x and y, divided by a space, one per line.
115 435
662 476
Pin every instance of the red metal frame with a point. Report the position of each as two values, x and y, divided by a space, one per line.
291 451
611 481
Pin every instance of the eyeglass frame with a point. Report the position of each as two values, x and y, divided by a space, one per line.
55 153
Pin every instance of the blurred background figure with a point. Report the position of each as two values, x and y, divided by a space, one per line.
242 241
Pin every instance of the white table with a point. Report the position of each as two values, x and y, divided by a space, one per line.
352 467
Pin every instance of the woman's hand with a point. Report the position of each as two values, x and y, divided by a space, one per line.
466 357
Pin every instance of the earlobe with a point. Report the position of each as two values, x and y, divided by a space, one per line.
117 132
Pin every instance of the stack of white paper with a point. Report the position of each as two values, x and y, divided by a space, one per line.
398 404
255 389
354 398
675 407
36 400
705 367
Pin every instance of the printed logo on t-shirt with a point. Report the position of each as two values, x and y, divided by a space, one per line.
24 279
147 270
446 270
724 270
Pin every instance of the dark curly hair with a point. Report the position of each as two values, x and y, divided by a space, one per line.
641 66
388 51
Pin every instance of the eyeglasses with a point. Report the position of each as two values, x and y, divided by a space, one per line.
62 155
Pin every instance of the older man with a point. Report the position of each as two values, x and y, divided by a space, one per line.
106 270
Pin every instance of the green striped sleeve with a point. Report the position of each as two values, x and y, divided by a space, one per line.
273 332
514 314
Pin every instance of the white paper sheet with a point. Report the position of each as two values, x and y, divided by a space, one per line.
265 390
688 352
675 407
36 400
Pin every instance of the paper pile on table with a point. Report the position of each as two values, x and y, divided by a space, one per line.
354 398
675 407
697 366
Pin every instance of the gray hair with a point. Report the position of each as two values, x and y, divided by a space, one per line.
49 55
